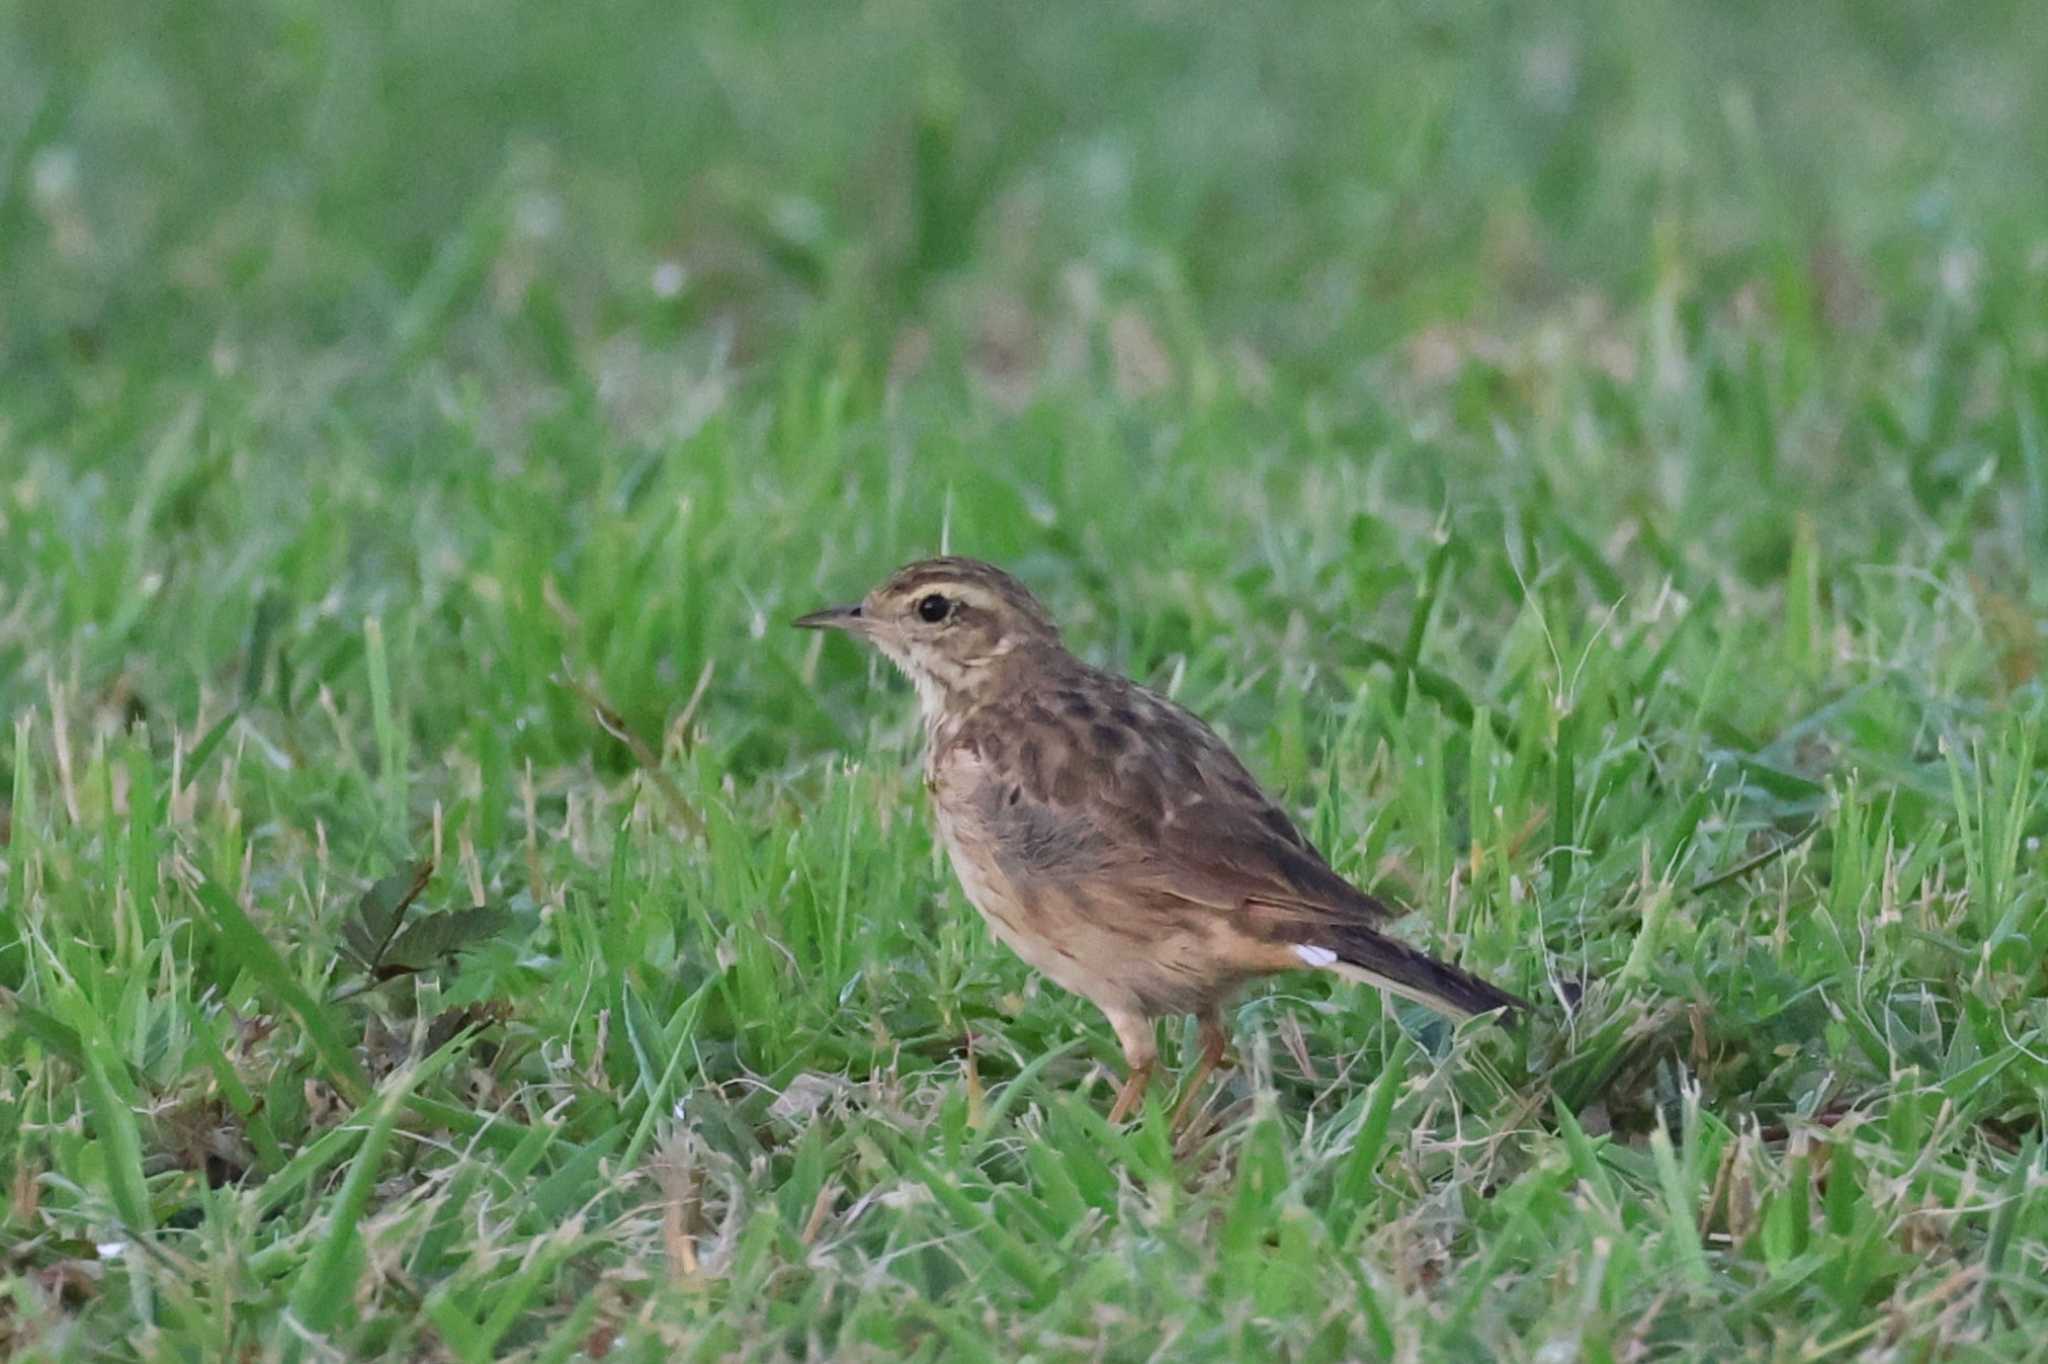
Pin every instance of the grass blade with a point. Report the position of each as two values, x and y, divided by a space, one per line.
243 944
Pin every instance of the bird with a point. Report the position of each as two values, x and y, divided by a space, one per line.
1109 837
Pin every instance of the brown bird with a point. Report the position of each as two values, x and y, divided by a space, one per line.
1107 835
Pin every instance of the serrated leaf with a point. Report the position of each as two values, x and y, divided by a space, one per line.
381 912
428 940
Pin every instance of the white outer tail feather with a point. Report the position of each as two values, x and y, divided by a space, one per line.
1394 987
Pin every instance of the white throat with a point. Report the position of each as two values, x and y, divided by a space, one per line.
931 694
931 697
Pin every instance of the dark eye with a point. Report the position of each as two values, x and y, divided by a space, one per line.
934 608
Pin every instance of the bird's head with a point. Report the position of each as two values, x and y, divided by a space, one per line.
950 624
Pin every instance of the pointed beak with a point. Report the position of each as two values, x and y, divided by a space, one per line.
832 618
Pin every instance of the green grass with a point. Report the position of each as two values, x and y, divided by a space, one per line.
1593 460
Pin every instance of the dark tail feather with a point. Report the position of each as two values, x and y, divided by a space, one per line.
1393 965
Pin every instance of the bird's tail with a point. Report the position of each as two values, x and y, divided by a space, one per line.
1392 965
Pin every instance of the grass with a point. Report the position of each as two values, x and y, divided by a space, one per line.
1590 460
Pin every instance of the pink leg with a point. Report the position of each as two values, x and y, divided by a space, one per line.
1215 1041
1141 1050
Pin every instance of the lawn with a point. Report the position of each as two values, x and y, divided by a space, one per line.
1592 460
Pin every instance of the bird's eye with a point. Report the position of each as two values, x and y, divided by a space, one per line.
934 608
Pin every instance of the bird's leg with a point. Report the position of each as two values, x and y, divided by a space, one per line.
1132 1094
1141 1049
1215 1041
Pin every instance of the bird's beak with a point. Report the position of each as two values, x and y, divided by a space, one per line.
833 618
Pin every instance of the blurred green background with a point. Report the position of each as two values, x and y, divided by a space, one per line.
417 273
1577 452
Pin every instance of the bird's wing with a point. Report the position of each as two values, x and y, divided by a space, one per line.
1121 788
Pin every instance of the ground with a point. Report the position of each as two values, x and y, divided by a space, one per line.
1591 459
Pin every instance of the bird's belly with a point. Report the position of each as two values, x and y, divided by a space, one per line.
1044 940
1082 949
